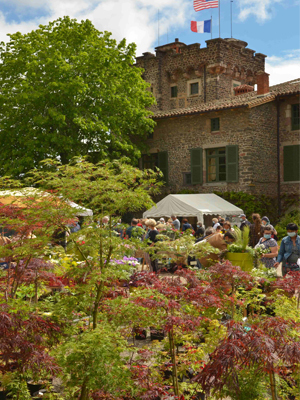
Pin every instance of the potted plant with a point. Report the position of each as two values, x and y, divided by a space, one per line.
5 379
240 254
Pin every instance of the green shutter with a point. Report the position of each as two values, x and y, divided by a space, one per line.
163 164
232 163
291 163
196 166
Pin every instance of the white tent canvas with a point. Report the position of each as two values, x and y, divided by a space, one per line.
192 205
12 195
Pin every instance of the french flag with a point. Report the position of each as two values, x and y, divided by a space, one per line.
201 26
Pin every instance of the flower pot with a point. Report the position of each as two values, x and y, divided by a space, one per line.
3 394
140 333
34 387
156 334
200 396
242 260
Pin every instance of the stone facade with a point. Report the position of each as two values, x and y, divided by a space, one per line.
288 137
247 121
216 68
179 135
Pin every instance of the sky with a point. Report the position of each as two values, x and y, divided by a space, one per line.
270 27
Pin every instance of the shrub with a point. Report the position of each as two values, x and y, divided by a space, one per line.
292 216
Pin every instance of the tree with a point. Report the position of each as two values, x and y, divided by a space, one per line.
31 219
25 340
271 345
68 90
109 187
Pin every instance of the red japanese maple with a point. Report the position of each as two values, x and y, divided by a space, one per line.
24 342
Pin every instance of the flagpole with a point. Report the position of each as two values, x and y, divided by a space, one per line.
158 27
211 25
219 18
231 1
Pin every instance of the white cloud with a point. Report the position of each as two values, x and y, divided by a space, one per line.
282 69
135 20
261 9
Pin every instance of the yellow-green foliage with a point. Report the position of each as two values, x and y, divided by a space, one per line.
241 237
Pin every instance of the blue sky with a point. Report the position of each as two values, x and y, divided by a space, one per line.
268 26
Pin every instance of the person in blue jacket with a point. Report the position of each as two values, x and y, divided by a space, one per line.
289 252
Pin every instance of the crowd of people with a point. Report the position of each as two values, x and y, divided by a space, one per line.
221 233
261 233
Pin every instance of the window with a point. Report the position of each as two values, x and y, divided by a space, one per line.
215 124
159 160
295 117
150 161
291 163
222 164
194 88
216 165
174 91
187 178
150 135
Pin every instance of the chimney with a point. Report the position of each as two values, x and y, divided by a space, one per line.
242 89
176 40
262 83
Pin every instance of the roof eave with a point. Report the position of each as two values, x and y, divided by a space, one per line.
199 112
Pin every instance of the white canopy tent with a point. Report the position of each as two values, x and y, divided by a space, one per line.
192 205
15 197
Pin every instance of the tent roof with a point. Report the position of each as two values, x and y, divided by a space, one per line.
188 205
14 197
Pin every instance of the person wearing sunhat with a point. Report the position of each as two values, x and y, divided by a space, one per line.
162 221
244 221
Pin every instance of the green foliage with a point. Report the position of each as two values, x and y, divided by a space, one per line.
241 238
68 90
292 216
17 388
252 385
179 249
251 203
109 187
94 359
98 314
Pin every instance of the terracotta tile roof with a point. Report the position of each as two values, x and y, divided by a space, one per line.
243 87
247 100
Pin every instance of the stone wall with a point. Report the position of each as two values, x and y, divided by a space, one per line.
254 130
215 68
263 131
288 137
179 135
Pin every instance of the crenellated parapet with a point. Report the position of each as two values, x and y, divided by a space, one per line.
199 74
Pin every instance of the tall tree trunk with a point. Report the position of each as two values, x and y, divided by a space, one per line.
36 287
174 368
273 385
84 390
96 303
100 286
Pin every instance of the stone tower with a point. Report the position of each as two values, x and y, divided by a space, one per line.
183 76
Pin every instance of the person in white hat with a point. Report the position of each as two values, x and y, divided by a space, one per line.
162 221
